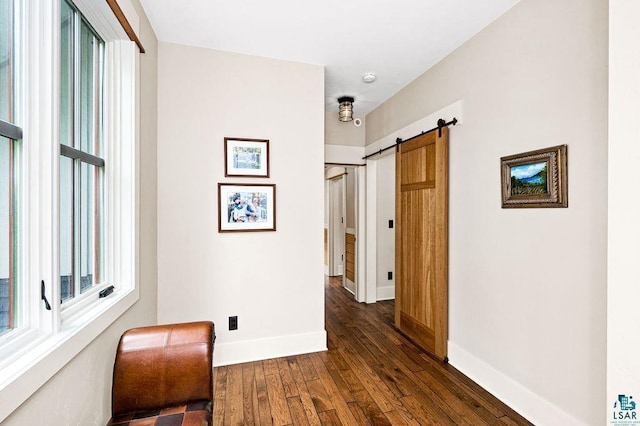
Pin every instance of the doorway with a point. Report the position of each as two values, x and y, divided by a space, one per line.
344 251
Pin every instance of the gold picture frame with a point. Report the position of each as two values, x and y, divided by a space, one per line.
535 179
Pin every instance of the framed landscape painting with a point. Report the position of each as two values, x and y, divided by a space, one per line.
535 178
246 157
246 207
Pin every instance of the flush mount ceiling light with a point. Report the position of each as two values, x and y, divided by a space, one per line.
345 109
369 77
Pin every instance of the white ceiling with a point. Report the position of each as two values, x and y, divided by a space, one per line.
397 40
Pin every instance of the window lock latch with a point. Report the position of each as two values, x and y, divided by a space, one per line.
107 291
47 306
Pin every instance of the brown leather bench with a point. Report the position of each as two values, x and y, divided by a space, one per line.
163 375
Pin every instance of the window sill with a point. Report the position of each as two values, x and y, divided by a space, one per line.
22 377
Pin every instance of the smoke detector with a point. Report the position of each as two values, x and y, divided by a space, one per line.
369 77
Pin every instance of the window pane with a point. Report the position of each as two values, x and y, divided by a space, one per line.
66 229
7 226
87 89
6 60
66 74
98 223
89 226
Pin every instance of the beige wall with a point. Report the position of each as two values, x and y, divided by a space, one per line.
80 393
271 280
342 133
527 286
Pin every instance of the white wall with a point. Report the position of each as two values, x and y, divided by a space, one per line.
527 286
80 393
623 296
385 236
350 186
273 281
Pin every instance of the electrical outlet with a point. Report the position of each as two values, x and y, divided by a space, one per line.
233 323
389 275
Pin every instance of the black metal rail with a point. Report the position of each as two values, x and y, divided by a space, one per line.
441 124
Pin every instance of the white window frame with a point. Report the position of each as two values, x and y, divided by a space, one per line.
47 340
82 299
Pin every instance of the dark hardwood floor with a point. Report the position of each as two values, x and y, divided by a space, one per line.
371 374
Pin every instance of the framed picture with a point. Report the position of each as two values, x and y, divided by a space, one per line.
246 157
246 207
535 178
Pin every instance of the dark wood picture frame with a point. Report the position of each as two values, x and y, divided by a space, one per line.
535 179
246 157
246 207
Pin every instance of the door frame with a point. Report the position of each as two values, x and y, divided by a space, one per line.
357 172
360 175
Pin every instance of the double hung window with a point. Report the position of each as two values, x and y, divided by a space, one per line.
68 76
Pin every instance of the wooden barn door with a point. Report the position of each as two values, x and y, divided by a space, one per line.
422 193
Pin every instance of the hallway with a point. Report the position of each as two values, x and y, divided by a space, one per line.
370 375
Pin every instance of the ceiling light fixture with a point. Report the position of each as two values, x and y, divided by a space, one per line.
345 109
369 77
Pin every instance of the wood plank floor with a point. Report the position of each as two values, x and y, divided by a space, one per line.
371 375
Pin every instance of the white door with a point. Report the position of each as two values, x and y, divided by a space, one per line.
336 226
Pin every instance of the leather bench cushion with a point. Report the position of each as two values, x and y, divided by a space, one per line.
192 414
162 366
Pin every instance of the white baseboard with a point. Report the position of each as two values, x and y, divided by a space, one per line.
528 404
273 347
386 293
350 286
